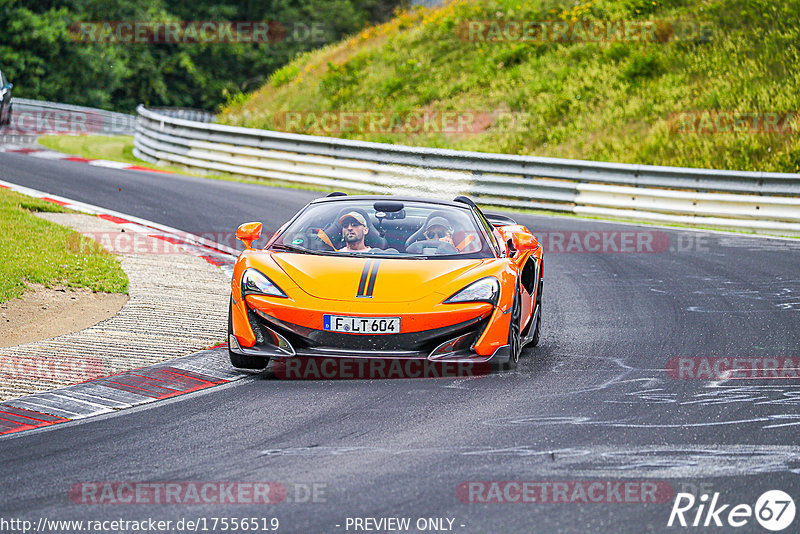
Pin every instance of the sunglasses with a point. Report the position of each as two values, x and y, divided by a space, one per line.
436 234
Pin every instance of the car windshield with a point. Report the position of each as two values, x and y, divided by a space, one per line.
402 229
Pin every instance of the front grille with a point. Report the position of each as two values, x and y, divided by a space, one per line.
304 338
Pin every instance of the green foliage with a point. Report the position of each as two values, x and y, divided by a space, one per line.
283 75
41 53
342 81
642 7
645 65
617 52
606 100
514 55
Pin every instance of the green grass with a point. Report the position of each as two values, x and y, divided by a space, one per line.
114 148
38 251
603 101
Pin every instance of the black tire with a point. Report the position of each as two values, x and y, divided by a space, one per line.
537 333
242 361
514 333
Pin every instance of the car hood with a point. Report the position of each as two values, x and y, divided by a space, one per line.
381 279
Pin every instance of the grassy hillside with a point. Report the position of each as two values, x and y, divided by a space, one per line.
609 100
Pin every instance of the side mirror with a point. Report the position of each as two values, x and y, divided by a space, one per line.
249 232
524 242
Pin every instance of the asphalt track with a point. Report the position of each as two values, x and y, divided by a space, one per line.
592 403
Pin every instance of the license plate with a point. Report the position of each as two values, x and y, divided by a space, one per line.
362 325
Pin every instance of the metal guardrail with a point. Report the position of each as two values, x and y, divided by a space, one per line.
188 114
40 117
755 201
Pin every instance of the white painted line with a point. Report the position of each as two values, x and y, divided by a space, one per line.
97 399
93 409
46 154
41 406
109 164
108 394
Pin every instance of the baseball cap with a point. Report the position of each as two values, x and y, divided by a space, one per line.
354 215
439 221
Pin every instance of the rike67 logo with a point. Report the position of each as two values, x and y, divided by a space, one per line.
774 510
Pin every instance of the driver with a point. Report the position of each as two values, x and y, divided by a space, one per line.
439 229
354 229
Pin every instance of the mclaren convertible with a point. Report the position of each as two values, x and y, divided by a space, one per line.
387 277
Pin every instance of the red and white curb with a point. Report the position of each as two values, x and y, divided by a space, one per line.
130 388
217 254
144 385
44 153
109 394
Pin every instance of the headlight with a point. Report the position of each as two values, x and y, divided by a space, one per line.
484 290
256 283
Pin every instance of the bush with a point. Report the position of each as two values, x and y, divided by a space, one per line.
647 65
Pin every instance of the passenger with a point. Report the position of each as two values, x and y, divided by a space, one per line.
439 229
354 229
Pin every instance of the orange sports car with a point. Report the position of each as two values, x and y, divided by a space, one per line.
387 277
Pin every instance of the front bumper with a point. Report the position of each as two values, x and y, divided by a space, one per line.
275 338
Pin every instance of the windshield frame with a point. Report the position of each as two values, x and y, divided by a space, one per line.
488 248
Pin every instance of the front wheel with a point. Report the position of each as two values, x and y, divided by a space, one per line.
535 339
538 326
514 333
242 361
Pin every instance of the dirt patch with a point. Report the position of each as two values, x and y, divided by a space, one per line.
44 312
